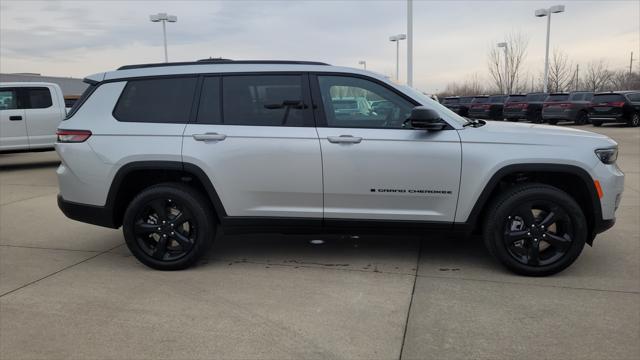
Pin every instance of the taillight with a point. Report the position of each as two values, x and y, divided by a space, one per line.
566 105
72 136
617 104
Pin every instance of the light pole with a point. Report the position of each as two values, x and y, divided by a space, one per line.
542 13
396 39
506 66
163 17
410 42
363 63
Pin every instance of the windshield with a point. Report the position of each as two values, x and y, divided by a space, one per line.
444 113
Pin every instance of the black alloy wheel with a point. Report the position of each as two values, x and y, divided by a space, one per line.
581 118
169 226
635 120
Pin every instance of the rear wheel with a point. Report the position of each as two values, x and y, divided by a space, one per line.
635 120
553 121
581 118
168 226
596 123
537 118
535 230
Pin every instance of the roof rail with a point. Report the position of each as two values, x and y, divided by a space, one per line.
220 61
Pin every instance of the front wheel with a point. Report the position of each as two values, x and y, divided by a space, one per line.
535 229
553 122
581 118
596 123
537 118
635 120
168 226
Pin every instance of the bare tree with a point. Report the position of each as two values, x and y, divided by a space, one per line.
560 72
624 80
472 85
597 76
507 73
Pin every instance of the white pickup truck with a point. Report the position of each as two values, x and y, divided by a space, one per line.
30 113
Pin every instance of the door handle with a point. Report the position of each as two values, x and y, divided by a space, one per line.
209 137
15 118
344 139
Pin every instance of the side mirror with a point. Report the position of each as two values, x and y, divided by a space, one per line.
425 118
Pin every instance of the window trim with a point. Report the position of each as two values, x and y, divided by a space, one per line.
318 105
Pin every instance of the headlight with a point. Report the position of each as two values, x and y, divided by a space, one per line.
607 156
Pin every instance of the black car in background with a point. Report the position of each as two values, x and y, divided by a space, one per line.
452 103
458 104
575 109
528 107
489 107
615 106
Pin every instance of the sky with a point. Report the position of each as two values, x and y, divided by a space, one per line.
451 38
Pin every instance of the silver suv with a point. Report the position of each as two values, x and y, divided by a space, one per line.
172 152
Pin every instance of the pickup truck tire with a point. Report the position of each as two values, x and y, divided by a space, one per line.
168 226
535 229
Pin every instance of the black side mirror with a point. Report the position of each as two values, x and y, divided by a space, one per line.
425 118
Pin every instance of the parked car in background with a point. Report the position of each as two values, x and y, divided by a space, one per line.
489 107
528 107
574 109
615 106
452 103
69 100
554 100
30 113
465 104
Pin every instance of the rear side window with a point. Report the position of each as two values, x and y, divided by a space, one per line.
164 100
605 98
497 99
39 98
536 97
8 99
480 100
264 100
515 98
558 97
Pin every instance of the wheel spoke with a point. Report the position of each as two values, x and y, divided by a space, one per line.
512 236
145 228
161 248
160 207
183 217
525 211
184 241
534 253
549 219
559 242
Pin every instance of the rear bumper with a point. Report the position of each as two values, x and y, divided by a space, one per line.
90 214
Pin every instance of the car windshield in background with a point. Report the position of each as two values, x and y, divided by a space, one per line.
516 98
480 100
605 98
497 99
466 99
451 101
558 97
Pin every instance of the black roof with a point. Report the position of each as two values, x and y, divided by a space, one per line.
617 92
220 61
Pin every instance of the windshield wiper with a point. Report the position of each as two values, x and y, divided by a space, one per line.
473 122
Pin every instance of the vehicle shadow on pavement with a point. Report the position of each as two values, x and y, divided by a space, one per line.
28 166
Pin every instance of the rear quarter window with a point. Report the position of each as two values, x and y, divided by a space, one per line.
39 98
607 98
162 100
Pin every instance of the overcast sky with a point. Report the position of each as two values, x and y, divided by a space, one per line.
77 38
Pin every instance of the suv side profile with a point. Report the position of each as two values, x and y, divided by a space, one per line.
491 109
173 153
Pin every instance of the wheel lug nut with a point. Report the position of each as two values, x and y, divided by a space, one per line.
528 234
172 233
164 222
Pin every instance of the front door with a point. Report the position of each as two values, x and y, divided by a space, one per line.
255 138
374 166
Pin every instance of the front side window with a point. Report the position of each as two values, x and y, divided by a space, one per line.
39 98
8 99
162 100
634 97
264 100
356 102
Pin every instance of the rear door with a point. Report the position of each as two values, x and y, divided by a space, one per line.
13 128
43 115
375 168
255 138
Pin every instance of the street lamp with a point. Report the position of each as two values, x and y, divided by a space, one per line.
410 42
542 13
363 63
396 39
163 17
506 66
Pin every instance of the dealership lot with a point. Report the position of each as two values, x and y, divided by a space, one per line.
71 290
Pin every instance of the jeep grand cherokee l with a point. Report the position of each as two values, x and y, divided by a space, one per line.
574 109
490 109
172 152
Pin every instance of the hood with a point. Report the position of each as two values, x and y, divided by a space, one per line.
533 134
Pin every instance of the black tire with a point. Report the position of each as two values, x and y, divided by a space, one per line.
596 123
553 121
635 120
178 241
581 118
531 244
512 119
537 118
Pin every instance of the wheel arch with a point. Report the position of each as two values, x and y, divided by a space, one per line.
574 180
133 177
